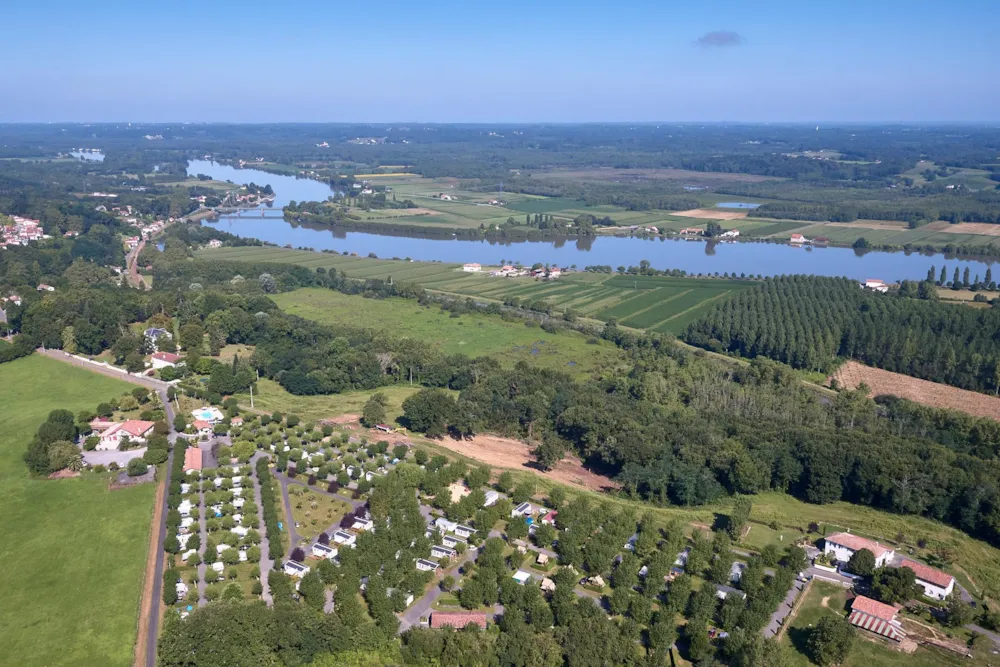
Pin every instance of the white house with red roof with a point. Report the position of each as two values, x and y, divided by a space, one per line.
203 427
936 584
165 360
877 617
134 430
844 545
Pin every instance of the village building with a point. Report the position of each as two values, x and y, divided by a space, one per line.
876 285
323 551
843 545
45 288
458 619
472 267
294 568
425 565
192 459
936 584
134 430
463 531
491 497
876 617
798 239
550 518
439 551
165 360
345 538
202 428
452 541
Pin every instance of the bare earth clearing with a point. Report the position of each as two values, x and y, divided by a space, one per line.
710 214
508 453
982 228
936 395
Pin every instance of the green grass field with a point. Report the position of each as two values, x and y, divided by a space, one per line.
472 334
73 553
271 397
827 599
676 302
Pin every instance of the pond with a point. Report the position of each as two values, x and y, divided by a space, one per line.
692 256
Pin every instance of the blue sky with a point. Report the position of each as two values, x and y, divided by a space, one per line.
548 60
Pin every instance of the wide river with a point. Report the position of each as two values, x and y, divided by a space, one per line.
692 256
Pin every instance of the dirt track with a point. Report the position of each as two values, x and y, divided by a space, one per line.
934 394
507 453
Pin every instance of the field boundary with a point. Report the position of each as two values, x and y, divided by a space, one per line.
149 575
795 610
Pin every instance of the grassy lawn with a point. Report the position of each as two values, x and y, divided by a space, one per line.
826 599
73 553
472 334
271 397
314 512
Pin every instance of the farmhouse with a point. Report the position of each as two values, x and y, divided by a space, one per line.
192 459
936 584
729 234
472 267
555 272
876 617
236 421
45 288
458 619
135 430
425 565
295 569
323 551
798 238
696 231
843 545
165 359
876 285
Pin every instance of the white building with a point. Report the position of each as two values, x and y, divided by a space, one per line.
464 531
164 360
134 430
491 497
472 267
345 538
936 584
444 525
425 565
876 285
295 569
452 541
844 545
438 551
323 551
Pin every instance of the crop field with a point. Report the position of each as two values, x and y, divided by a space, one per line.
592 295
73 552
472 334
937 234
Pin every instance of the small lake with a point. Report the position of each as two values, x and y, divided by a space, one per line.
90 156
737 204
693 256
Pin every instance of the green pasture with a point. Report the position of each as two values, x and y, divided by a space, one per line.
73 552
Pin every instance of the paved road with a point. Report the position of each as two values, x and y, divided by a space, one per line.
266 564
421 607
154 613
103 369
296 539
784 609
203 534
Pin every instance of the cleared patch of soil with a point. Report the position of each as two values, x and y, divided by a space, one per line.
711 214
934 394
981 228
343 419
65 473
508 453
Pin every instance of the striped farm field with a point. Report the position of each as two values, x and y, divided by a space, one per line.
657 303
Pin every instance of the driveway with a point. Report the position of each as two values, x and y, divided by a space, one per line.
784 609
107 457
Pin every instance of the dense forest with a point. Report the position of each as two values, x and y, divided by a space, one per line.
808 322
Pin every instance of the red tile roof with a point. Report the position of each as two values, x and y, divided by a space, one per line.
167 356
458 619
200 424
873 608
192 459
855 543
928 573
879 626
137 427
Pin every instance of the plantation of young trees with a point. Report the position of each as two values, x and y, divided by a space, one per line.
807 322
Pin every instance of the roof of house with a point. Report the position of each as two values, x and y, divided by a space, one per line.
133 427
873 608
856 543
192 458
879 626
424 561
167 356
928 573
200 424
236 420
295 565
458 619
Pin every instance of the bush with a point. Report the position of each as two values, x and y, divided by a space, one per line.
137 467
155 456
